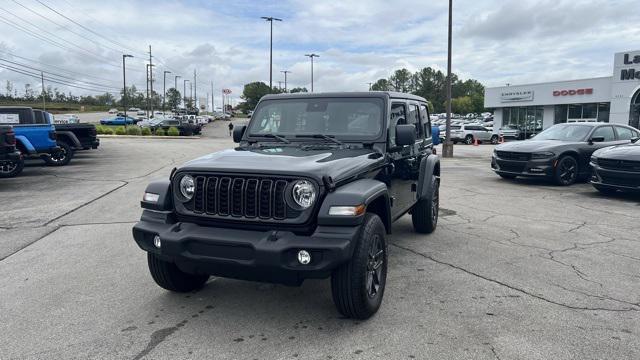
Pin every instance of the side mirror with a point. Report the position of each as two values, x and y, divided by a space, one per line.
635 140
405 135
596 139
238 133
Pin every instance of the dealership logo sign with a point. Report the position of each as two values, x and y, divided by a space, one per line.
630 74
514 96
588 91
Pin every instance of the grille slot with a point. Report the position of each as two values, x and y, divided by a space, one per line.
628 165
242 197
517 156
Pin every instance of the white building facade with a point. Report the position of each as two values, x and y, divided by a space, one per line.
534 107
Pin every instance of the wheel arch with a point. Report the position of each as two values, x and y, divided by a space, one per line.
68 137
429 166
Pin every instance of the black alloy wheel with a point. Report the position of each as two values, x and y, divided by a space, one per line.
10 169
60 158
566 171
374 266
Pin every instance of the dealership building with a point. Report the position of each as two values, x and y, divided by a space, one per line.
534 107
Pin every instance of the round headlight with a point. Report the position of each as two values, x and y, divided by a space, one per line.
303 193
187 187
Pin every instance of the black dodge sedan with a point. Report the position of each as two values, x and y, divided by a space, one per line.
561 152
616 168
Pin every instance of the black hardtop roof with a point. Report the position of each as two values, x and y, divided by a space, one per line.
346 94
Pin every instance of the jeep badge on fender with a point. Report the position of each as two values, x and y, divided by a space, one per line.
310 192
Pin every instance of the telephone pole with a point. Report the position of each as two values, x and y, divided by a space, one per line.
184 92
370 83
447 147
213 107
285 72
164 88
151 77
195 88
44 101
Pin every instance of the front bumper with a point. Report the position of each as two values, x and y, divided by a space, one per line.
615 179
269 256
13 156
530 168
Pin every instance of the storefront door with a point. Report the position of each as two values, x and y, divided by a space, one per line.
634 113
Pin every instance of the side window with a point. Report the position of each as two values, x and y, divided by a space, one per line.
606 132
398 116
413 119
426 121
624 133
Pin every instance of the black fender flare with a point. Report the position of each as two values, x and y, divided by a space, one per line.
72 138
429 166
165 200
359 192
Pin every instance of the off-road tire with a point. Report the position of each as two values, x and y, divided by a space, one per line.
566 171
353 284
168 276
424 214
62 158
11 169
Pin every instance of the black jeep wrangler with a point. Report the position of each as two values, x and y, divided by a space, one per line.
310 192
11 162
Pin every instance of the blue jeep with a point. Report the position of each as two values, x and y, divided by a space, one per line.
33 140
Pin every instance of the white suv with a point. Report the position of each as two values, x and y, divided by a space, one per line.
466 134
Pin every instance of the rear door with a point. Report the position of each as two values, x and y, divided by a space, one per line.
398 176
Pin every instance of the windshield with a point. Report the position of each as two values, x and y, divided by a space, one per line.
345 118
565 132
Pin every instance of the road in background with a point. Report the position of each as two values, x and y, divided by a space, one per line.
516 269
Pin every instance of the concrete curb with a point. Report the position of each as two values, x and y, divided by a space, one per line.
148 137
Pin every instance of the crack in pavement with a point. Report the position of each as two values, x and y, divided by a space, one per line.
514 288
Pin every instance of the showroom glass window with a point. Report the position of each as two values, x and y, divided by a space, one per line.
589 112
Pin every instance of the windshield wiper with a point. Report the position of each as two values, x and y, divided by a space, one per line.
277 137
321 136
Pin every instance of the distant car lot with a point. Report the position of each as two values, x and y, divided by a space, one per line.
514 267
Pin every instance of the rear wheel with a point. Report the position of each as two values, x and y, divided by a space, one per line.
60 158
168 276
424 214
358 286
468 139
10 169
495 139
566 171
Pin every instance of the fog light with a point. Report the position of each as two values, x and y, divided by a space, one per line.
536 170
156 242
304 257
151 197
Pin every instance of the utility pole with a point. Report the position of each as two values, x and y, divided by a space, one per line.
213 108
184 92
44 101
311 56
151 77
270 19
195 88
175 86
191 93
370 83
124 87
447 147
147 107
164 88
285 72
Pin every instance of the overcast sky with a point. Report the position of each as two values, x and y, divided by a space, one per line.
358 42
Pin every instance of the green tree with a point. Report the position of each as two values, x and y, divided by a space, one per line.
253 92
381 85
299 90
462 105
401 80
173 98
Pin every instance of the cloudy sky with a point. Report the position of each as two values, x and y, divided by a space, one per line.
495 41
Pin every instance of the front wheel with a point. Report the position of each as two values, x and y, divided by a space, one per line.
60 158
10 169
566 171
425 212
495 139
468 140
358 286
168 276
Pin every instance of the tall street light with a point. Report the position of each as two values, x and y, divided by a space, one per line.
175 86
447 147
311 56
124 84
285 72
184 92
271 19
164 88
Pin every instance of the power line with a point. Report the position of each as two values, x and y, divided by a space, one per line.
38 76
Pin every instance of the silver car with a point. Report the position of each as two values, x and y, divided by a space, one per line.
468 132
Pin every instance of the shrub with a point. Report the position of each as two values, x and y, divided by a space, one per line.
107 131
133 130
120 130
99 129
159 132
173 131
145 131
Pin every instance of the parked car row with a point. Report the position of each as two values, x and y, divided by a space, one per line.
607 154
32 134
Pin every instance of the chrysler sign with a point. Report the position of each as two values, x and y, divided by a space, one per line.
515 96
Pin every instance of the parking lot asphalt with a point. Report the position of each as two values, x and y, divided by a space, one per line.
516 270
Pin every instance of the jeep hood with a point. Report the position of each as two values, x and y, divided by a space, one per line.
337 163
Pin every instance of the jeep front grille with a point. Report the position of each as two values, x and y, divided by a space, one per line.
233 196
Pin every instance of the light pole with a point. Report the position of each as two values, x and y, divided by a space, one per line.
447 147
184 92
370 84
124 86
270 19
311 56
175 86
285 72
164 88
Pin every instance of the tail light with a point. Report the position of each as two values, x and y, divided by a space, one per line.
93 131
52 135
